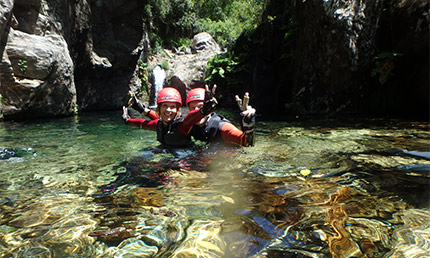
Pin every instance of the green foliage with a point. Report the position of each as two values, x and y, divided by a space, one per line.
223 32
3 101
289 41
75 109
236 17
22 64
171 19
225 20
288 106
180 43
223 69
143 76
165 65
1 106
156 43
218 66
343 106
384 65
246 13
212 9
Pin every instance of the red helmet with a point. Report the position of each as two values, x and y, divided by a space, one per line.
196 94
169 94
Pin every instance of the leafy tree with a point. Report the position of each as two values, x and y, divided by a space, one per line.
172 20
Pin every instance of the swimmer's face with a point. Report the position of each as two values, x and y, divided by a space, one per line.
168 111
193 105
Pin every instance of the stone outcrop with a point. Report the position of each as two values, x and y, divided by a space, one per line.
336 50
339 57
339 49
203 41
6 7
37 76
307 57
36 68
5 14
57 57
108 39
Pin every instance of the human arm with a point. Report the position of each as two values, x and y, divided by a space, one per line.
153 115
189 120
141 123
134 103
196 115
230 133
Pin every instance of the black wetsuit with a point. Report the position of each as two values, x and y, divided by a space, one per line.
171 136
211 131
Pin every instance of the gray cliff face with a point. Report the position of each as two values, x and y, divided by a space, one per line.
36 67
107 41
309 57
41 76
58 56
340 57
339 50
336 48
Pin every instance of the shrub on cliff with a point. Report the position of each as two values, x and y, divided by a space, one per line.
225 20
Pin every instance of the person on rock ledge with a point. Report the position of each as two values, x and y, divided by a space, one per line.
171 129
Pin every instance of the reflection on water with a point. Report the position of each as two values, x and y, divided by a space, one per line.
90 186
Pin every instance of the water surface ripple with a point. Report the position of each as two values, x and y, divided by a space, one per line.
90 186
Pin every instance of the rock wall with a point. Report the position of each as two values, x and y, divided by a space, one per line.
339 46
336 47
61 56
36 66
308 57
107 42
367 57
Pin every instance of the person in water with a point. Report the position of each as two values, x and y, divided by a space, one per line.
216 128
171 129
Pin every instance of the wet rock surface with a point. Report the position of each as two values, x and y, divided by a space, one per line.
7 153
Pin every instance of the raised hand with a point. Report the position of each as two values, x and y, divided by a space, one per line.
135 104
210 101
247 113
247 121
125 115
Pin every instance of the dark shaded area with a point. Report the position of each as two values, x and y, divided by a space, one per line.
305 60
403 29
102 44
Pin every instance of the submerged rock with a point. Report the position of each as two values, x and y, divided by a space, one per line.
7 153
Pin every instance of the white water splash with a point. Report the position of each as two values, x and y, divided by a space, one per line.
158 79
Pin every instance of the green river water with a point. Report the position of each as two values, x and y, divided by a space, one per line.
91 186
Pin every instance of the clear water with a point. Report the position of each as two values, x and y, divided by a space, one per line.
90 186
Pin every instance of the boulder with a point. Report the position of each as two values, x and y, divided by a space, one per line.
102 39
203 41
37 76
178 84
